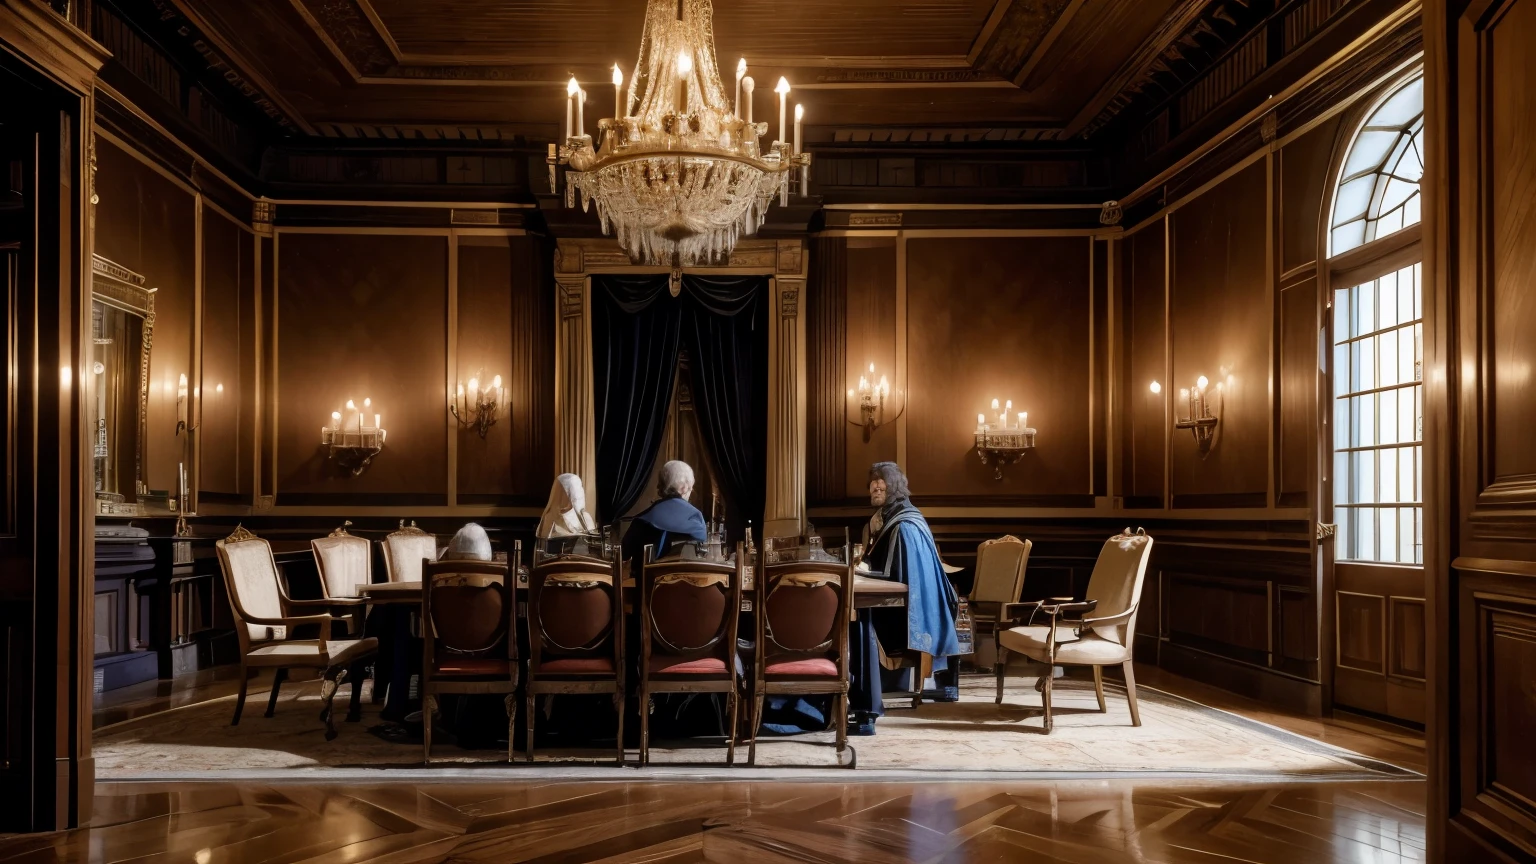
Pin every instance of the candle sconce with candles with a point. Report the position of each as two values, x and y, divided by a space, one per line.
1005 442
476 408
874 396
1201 420
350 440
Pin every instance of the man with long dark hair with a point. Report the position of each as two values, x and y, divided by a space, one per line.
900 545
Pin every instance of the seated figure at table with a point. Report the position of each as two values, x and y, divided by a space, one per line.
670 520
900 546
469 543
566 514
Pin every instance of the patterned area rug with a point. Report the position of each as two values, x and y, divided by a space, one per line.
972 737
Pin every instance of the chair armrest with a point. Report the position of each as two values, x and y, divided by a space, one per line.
324 621
1013 613
1122 618
328 603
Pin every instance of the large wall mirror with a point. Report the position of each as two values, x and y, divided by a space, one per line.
122 334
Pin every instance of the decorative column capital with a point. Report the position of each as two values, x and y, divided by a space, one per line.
263 213
789 297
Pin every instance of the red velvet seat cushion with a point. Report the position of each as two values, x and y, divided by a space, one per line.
818 667
578 665
701 666
472 666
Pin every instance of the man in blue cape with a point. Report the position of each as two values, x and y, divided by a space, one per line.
901 547
669 520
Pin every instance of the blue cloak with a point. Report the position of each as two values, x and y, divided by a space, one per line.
665 523
904 550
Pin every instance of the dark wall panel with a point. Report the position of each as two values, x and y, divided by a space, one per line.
1221 329
224 439
362 315
1300 386
148 224
1303 187
1143 257
503 330
1003 318
871 339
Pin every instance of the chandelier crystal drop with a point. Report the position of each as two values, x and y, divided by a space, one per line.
680 175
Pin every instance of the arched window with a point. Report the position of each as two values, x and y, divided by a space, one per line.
1378 191
1378 340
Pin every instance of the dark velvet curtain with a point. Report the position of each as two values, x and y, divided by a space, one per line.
638 327
634 362
725 326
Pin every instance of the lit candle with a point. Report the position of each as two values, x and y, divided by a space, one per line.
496 388
335 419
994 404
741 72
474 390
748 85
981 421
581 112
684 69
1156 388
618 92
799 142
376 423
571 89
783 91
1023 418
863 384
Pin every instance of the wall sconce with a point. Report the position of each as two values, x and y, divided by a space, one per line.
873 396
1003 443
476 408
1201 420
350 440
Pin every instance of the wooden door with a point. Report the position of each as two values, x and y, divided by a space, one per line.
1481 328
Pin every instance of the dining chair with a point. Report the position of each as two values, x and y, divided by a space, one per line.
345 563
689 613
1000 567
1105 638
576 634
265 620
405 549
469 637
802 638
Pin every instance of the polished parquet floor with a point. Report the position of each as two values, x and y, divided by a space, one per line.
1082 822
414 818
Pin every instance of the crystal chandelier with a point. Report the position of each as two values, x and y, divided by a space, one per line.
680 175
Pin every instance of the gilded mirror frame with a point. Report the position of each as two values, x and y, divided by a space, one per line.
120 288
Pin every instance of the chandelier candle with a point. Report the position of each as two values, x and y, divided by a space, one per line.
741 72
571 89
618 92
799 128
684 69
783 91
748 85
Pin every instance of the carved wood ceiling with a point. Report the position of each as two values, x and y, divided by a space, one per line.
868 70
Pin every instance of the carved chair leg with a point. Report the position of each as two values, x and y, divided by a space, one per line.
277 684
1098 687
842 722
645 727
1001 669
428 708
1130 692
730 742
1046 699
245 682
511 703
757 722
618 707
355 707
533 712
334 678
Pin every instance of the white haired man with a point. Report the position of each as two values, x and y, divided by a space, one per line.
670 519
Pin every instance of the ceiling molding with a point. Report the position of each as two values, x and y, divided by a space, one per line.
1139 67
232 65
1044 48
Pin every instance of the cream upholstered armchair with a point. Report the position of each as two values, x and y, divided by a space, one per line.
405 549
345 563
1103 637
1000 566
265 619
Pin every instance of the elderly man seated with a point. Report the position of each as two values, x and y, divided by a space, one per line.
670 520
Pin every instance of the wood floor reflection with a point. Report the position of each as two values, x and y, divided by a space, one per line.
1082 822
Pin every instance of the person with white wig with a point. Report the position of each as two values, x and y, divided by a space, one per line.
469 543
670 519
566 514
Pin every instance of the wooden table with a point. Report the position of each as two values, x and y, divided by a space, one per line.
868 593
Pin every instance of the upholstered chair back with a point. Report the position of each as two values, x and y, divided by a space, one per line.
345 563
1000 567
405 549
687 605
805 611
251 577
1116 582
468 605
